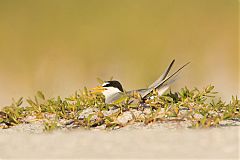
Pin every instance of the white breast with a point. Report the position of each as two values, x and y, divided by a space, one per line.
110 92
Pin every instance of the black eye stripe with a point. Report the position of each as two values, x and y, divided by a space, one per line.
106 85
115 84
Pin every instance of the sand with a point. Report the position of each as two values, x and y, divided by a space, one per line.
145 143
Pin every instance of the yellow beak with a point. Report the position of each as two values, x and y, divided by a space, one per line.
98 89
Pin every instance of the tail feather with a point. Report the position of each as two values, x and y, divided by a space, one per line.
159 84
163 76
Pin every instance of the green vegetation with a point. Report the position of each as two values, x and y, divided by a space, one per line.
88 110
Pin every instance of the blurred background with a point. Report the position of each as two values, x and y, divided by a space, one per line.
60 46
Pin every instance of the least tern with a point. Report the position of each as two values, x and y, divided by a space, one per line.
113 90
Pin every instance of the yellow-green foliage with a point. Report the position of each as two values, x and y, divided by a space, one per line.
195 106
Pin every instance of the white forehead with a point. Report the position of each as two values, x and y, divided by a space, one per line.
105 83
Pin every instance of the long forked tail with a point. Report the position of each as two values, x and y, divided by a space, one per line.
163 82
159 80
163 76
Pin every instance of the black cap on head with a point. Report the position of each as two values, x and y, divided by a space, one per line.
115 84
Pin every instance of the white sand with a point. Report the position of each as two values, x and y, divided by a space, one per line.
129 143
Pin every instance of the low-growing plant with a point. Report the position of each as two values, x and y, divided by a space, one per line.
198 107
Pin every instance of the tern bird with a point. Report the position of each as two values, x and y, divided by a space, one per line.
113 90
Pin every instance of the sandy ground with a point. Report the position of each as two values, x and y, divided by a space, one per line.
144 143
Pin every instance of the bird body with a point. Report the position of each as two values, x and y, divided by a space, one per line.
113 90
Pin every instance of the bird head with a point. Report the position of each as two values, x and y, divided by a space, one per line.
109 88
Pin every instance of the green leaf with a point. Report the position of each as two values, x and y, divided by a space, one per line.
31 103
121 99
19 102
40 95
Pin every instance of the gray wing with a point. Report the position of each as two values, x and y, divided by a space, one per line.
114 97
140 91
164 84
